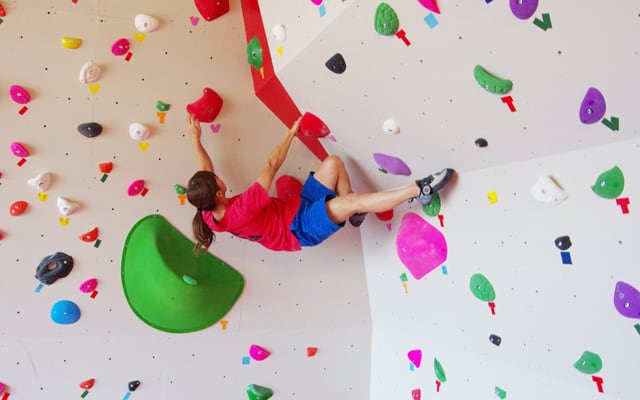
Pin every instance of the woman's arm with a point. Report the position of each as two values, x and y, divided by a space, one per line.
277 157
202 157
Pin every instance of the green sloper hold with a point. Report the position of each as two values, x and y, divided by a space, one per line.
433 208
386 20
482 288
168 286
589 363
500 393
179 189
437 368
609 184
254 53
257 392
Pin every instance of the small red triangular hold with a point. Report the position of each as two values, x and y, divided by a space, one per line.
430 5
88 384
311 125
311 351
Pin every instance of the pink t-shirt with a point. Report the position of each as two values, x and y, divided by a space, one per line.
256 216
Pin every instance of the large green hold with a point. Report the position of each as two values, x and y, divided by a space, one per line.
257 392
433 207
439 371
168 286
254 53
482 288
386 20
609 184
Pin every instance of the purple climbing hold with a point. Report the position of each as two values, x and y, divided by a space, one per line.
593 106
391 164
523 9
626 298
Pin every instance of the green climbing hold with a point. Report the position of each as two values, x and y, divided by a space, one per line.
482 288
433 208
386 20
254 53
257 392
180 189
500 393
161 106
437 368
589 363
609 184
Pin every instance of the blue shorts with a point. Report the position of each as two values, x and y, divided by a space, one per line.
312 225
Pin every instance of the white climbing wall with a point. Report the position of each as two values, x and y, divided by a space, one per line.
547 313
290 301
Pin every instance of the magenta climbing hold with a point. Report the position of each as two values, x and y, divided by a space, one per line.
391 164
416 394
430 5
523 9
19 94
258 353
120 47
89 285
207 108
593 106
212 9
19 150
136 187
626 299
288 187
420 246
415 356
311 125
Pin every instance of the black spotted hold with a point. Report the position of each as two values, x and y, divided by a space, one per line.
133 385
90 129
336 64
481 142
563 242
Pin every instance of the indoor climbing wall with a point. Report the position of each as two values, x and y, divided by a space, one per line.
519 281
92 111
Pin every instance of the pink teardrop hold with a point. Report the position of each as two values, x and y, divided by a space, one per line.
420 246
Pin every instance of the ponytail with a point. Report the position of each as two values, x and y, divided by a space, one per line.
203 234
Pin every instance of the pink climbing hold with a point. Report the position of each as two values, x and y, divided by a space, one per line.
415 356
391 164
212 9
416 394
207 108
120 47
316 2
19 94
258 353
311 125
420 246
287 187
89 285
430 5
19 150
136 187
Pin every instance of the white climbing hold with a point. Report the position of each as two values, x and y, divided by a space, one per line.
139 131
67 207
90 72
41 182
547 190
146 23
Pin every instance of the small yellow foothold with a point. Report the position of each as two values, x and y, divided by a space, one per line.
71 42
492 197
280 50
43 196
139 36
143 145
64 221
93 88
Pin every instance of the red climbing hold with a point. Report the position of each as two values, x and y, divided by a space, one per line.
212 9
311 125
105 168
18 207
88 384
90 236
207 108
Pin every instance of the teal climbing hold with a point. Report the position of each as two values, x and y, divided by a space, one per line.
437 368
609 184
386 20
482 288
257 392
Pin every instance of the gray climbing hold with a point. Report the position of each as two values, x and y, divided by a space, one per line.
336 63
90 129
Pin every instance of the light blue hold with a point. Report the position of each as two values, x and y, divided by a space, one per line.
65 312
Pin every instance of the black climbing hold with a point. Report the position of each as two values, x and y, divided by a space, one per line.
133 385
54 267
495 339
563 242
481 142
336 64
90 129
